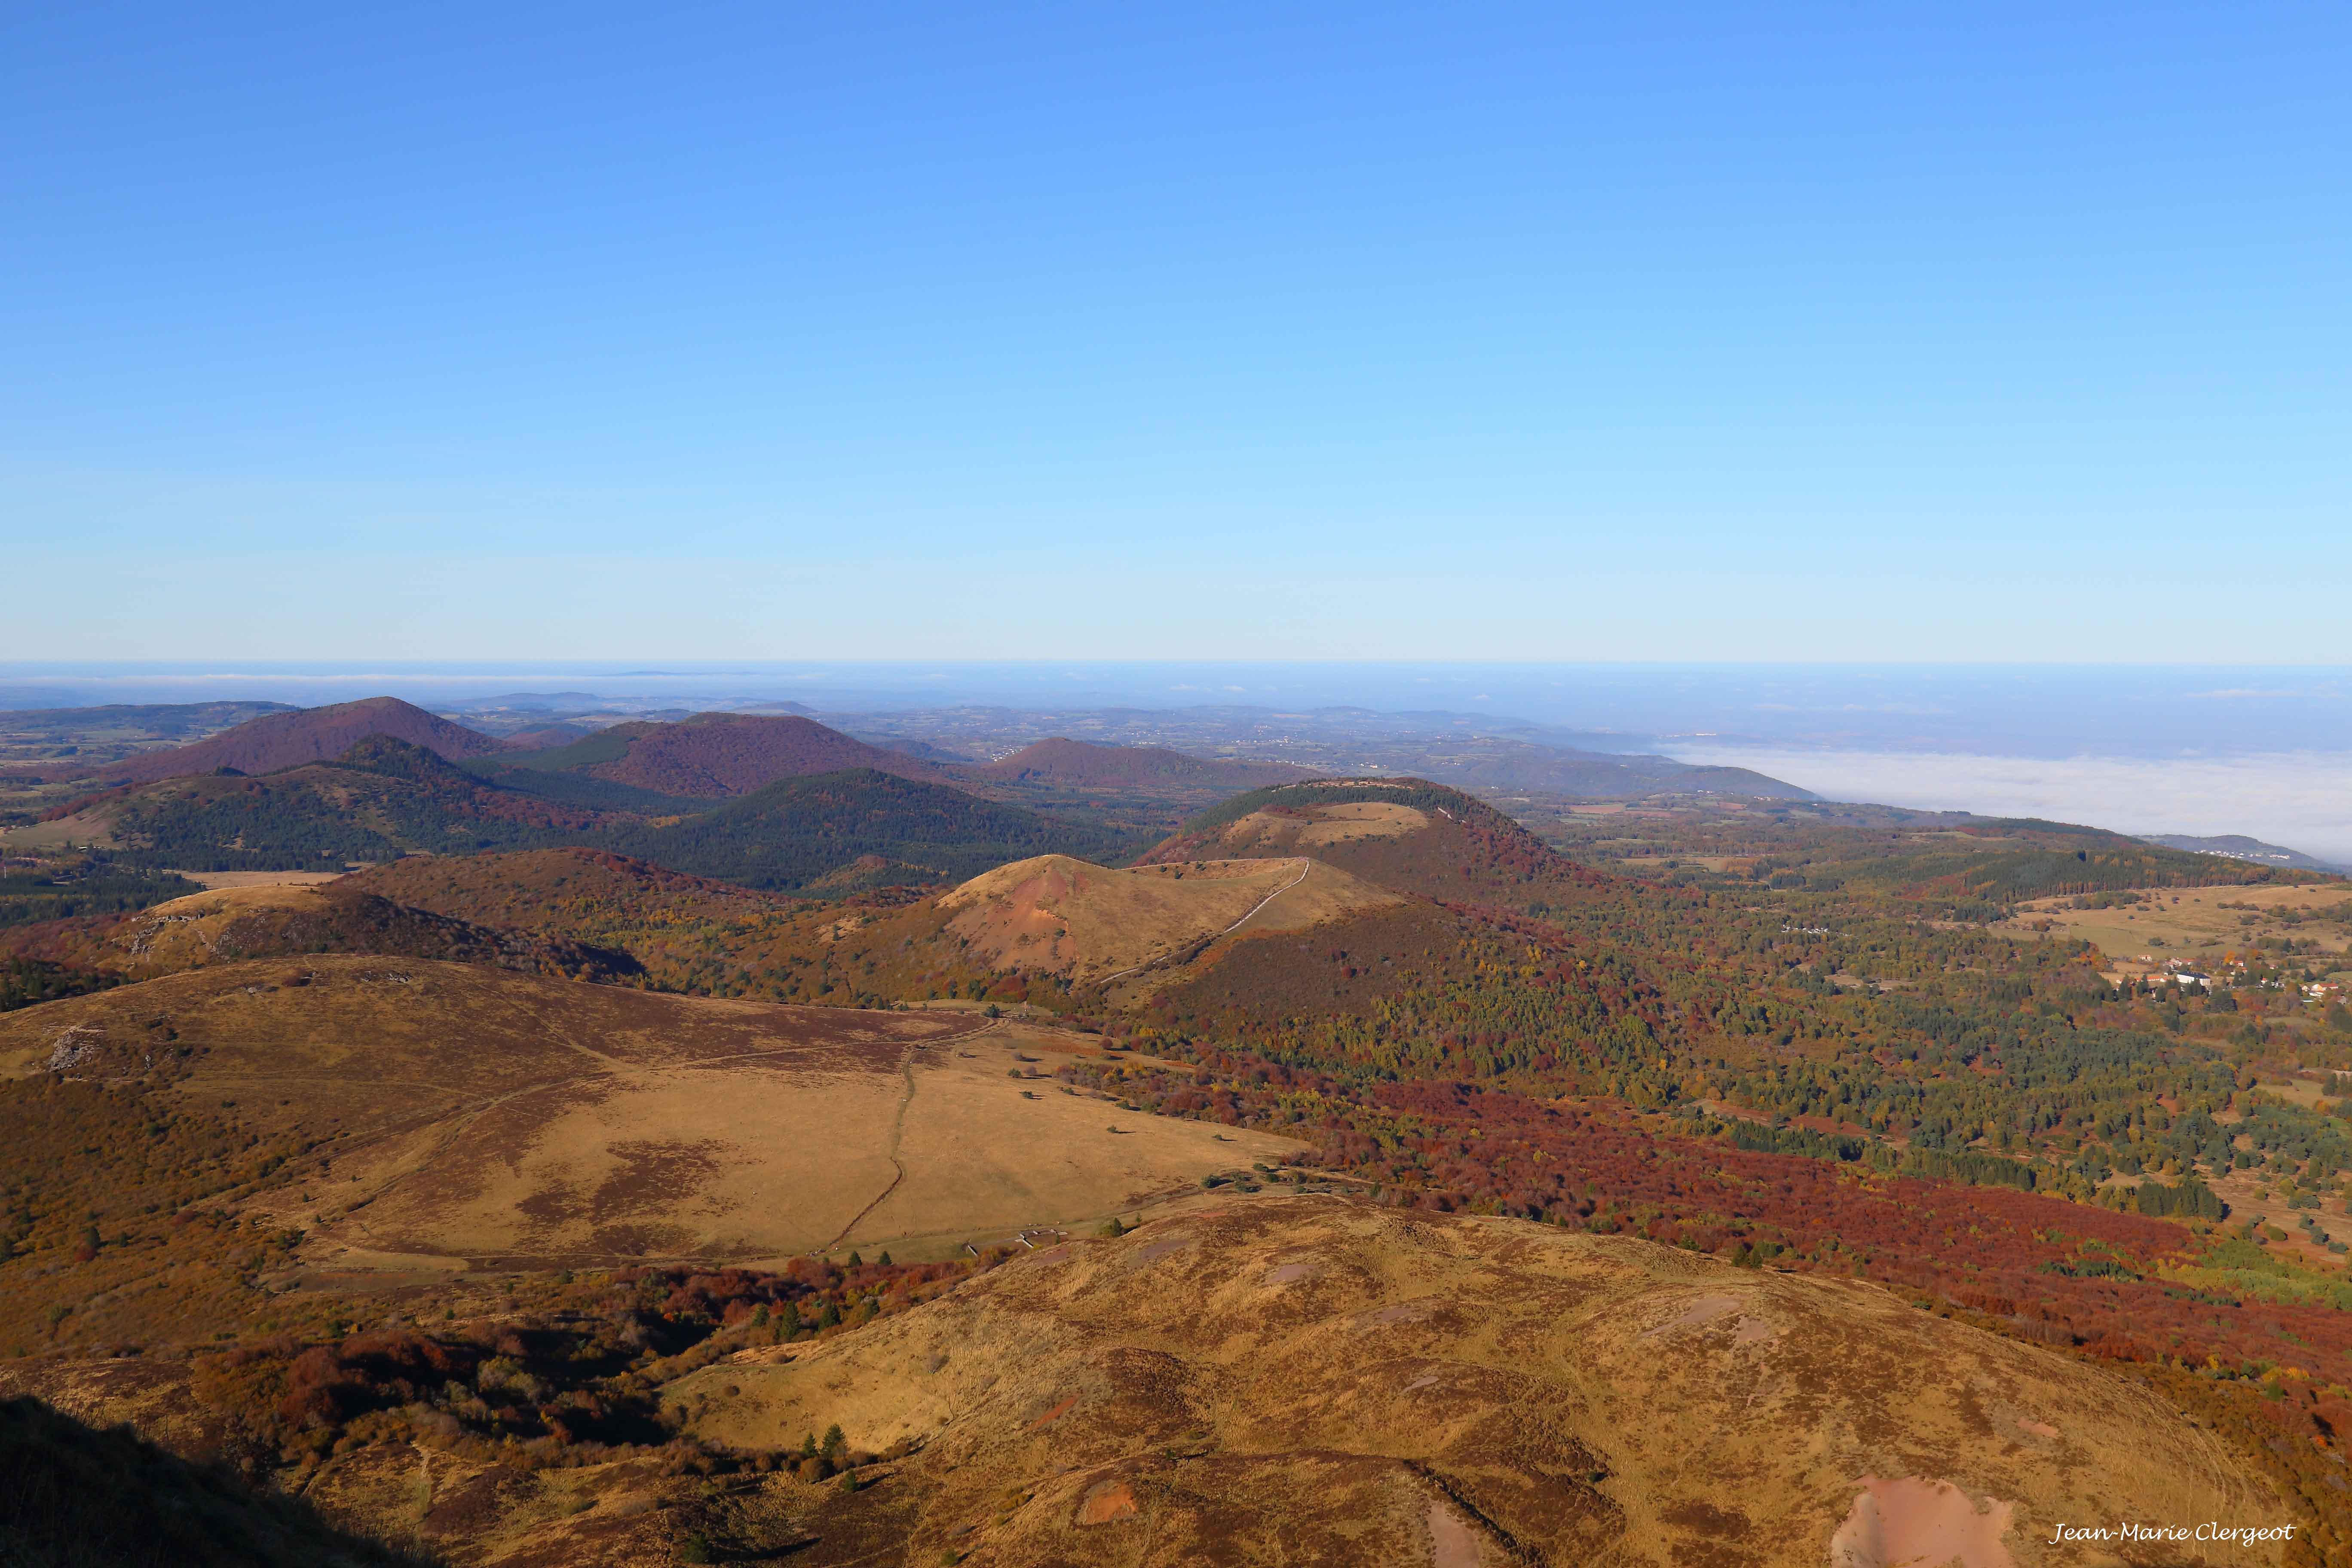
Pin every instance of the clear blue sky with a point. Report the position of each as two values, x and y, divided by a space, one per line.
1545 332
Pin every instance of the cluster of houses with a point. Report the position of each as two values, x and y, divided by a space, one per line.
2180 972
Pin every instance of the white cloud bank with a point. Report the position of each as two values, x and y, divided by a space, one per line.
2300 799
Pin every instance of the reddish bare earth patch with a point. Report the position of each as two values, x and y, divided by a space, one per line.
1916 1521
1112 1499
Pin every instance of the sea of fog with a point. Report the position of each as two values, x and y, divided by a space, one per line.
2299 799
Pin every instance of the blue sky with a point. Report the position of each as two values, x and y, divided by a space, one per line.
1502 332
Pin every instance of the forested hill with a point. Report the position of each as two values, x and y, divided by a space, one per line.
710 756
797 831
386 798
1407 835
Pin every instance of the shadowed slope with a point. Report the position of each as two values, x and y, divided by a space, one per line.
74 1497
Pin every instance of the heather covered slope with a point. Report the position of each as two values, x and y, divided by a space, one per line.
56 745
279 741
1309 1379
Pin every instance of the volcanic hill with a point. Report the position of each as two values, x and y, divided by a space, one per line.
837 832
380 798
715 756
279 741
1406 834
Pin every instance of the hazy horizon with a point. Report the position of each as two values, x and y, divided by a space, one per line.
2205 750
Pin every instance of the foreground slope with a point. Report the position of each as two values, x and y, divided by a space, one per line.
1312 1380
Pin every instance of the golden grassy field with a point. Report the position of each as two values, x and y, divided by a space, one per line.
1293 832
211 880
464 1113
94 827
1292 1379
2197 924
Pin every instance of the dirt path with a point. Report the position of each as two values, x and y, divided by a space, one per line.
1304 866
470 1110
897 1129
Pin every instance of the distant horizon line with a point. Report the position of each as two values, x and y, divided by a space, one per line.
353 668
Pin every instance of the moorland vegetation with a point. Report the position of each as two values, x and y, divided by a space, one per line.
1760 1039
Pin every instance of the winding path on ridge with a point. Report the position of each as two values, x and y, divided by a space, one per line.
1304 866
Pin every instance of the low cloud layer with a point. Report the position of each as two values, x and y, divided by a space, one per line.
2300 799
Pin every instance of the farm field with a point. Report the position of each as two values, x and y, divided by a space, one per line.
2199 923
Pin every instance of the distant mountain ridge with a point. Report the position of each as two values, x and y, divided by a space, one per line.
2238 846
1597 774
290 739
1083 764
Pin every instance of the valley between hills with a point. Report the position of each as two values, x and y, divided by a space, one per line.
728 1139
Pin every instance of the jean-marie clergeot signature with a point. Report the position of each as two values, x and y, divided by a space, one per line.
2238 1534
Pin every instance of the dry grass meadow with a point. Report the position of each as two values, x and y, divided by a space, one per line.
466 1114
